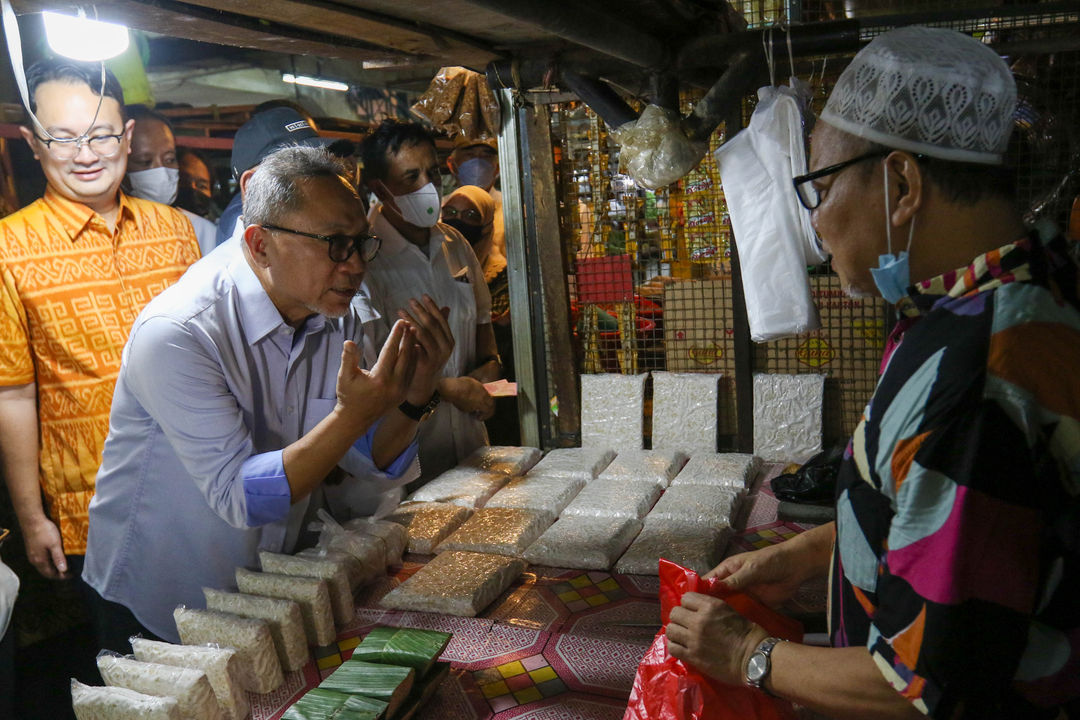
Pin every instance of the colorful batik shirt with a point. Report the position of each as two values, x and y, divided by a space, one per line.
957 558
70 289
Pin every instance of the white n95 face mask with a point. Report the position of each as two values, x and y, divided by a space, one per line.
157 184
420 207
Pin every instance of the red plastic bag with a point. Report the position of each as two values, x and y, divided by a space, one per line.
665 688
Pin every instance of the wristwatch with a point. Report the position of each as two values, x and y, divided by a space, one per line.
419 412
760 663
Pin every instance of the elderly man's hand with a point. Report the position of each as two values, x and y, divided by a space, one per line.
469 396
434 345
716 640
369 394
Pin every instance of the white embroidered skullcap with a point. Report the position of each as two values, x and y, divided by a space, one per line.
927 90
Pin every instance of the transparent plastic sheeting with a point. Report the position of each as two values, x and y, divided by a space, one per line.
113 703
392 535
283 616
788 416
588 543
699 548
428 523
696 505
499 531
733 470
355 570
655 466
584 463
311 594
191 688
772 230
541 493
504 459
684 411
258 666
455 583
654 150
219 664
612 410
608 498
463 486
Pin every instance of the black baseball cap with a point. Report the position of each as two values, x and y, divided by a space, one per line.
274 129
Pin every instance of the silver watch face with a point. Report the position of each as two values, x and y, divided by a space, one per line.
757 667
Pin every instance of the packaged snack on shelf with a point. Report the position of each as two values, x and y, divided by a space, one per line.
456 583
463 486
700 548
607 498
655 466
428 523
589 543
284 617
508 460
500 531
259 669
337 579
537 492
583 463
311 594
191 688
219 664
113 703
732 470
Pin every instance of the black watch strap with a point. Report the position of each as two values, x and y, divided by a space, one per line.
418 412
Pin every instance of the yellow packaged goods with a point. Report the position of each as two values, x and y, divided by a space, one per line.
500 531
219 664
311 594
455 583
699 548
489 108
468 116
192 690
588 543
337 579
463 486
506 459
439 100
428 523
259 669
283 616
114 703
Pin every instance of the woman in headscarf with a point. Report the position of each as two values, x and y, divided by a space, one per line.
471 211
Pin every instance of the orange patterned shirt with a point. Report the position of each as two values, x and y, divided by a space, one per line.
70 289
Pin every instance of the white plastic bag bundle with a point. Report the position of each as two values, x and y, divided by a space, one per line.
772 230
788 421
654 150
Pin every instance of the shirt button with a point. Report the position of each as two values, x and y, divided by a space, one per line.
292 409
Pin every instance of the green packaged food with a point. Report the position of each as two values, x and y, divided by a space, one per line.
389 683
410 647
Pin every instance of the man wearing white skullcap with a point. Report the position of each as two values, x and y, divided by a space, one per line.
954 562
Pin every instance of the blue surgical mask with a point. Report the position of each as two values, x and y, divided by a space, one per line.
892 276
477 171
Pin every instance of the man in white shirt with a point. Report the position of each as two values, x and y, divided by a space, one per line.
422 255
244 387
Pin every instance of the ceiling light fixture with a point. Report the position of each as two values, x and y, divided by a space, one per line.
81 38
314 82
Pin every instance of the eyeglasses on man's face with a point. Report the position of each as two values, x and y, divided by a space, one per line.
340 247
104 146
809 195
469 215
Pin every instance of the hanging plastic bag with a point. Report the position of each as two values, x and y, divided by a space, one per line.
665 688
654 151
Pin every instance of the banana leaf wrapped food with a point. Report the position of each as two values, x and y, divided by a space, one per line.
322 704
389 683
411 647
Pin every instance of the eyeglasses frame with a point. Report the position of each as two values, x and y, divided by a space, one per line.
331 239
79 142
800 180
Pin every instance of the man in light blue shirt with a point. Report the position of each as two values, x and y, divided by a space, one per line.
242 388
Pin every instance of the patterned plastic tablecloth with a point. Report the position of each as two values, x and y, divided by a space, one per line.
557 645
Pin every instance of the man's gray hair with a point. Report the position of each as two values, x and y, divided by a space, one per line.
275 188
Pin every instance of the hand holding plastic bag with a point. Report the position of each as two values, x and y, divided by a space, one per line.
665 688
